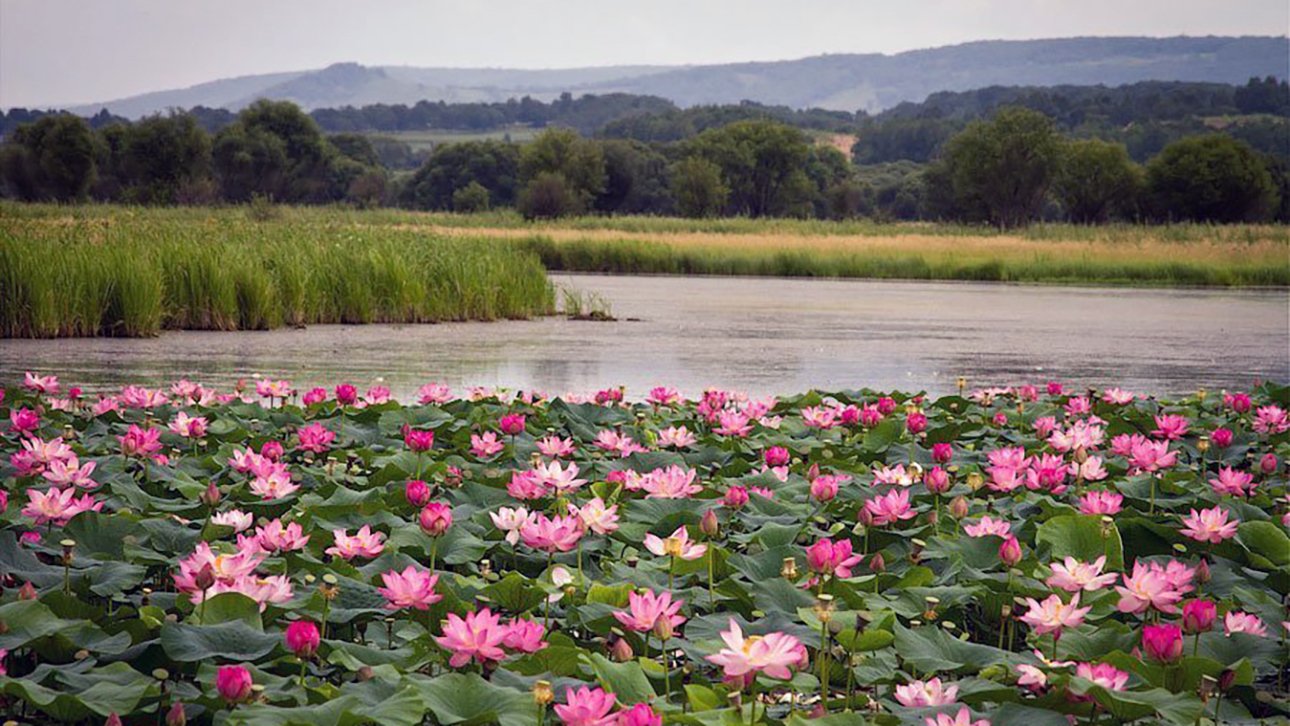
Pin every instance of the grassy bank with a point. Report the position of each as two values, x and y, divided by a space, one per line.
137 272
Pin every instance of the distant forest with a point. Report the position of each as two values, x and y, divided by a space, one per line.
620 153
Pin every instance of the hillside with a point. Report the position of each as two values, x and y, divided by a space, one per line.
871 82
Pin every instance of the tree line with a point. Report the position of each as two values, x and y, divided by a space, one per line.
1007 170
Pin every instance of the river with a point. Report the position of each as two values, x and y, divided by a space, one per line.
761 335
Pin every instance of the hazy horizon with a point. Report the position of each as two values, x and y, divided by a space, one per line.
62 52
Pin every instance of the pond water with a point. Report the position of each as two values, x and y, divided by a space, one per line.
764 336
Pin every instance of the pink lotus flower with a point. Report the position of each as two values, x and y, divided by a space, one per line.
416 492
511 521
412 588
314 396
139 443
233 683
1241 622
266 388
644 609
1073 575
435 518
274 537
1104 675
1147 587
1010 551
346 394
204 563
561 480
1162 643
1101 502
824 488
1233 482
238 520
775 654
962 718
70 472
302 638
638 715
433 393
678 437
478 637
274 484
551 534
896 475
24 420
1209 525
735 497
40 384
596 516
677 544
315 438
57 506
512 424
937 480
1198 616
673 482
1222 437
188 426
733 423
554 447
890 508
819 417
525 636
1170 427
418 441
826 557
988 527
364 543
1270 420
1053 615
1152 456
485 445
585 707
1090 469
918 694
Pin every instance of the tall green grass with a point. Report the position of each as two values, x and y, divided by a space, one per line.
136 273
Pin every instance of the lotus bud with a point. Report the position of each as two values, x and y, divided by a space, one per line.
365 673
211 496
1268 464
233 683
1010 551
1202 571
176 716
435 518
302 638
1226 679
877 563
709 525
621 651
113 720
959 507
205 577
542 693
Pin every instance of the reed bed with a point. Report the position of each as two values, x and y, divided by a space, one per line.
137 273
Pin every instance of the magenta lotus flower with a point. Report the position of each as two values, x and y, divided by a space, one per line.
1198 616
552 534
735 497
346 394
1209 525
962 718
1053 615
40 384
827 557
1270 420
485 445
314 396
233 683
1162 643
918 694
139 443
1221 437
1241 622
673 482
775 456
824 488
191 427
775 654
302 638
24 420
1073 575
435 518
418 441
640 714
1170 427
1010 551
411 588
525 636
479 637
677 544
890 508
585 707
511 424
433 394
70 472
663 396
644 609
316 438
363 543
277 537
1104 675
416 492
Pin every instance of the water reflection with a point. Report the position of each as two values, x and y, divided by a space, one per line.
763 336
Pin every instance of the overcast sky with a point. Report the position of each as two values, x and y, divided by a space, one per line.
56 52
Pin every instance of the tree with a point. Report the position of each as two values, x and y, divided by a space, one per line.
53 158
249 162
494 165
470 199
1097 179
697 188
635 180
1002 167
548 196
162 155
1211 178
761 163
580 162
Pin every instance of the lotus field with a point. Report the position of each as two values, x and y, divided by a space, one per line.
1028 555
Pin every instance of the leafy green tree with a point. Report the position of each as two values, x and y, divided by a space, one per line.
548 196
161 156
849 198
470 199
367 190
356 147
761 163
1002 167
697 188
51 159
249 162
580 162
636 180
1211 178
1097 180
494 165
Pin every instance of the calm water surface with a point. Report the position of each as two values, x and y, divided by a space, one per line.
760 335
